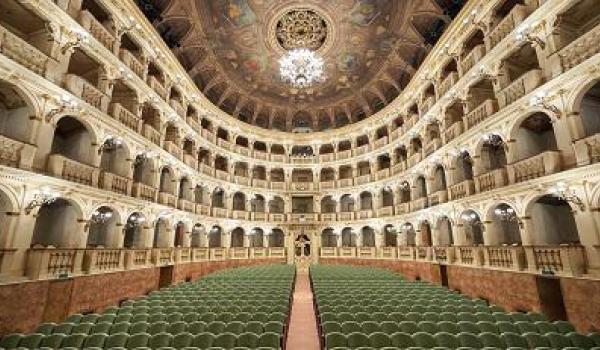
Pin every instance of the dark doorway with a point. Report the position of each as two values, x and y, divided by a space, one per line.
166 276
444 275
551 297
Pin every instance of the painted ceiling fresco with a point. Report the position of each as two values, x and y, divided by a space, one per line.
231 49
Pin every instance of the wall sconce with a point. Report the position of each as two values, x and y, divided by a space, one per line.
541 99
507 214
527 34
44 196
73 39
127 28
472 219
562 191
110 144
493 140
446 50
135 220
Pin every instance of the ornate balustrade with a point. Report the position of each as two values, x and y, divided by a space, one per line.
113 182
587 150
579 50
506 26
567 260
448 83
461 189
520 87
87 92
471 59
72 170
480 113
491 180
151 134
143 191
539 165
16 154
167 199
22 52
133 63
97 29
453 131
125 117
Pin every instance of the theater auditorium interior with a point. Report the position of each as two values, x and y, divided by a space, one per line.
300 174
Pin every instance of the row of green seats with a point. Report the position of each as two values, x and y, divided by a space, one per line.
478 341
141 340
428 316
197 327
410 327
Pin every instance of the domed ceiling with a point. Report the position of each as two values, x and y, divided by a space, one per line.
231 50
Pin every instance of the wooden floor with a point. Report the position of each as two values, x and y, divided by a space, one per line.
302 332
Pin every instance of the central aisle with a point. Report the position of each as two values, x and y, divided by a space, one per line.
302 332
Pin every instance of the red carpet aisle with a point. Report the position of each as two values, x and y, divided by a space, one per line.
302 334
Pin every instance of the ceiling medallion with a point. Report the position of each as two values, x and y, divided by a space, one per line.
301 68
301 28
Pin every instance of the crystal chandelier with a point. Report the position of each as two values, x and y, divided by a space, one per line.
301 68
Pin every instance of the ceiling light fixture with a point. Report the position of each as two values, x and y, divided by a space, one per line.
301 68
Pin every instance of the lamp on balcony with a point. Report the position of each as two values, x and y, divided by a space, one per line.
72 39
541 99
135 220
508 214
473 219
42 197
111 143
562 191
99 217
527 33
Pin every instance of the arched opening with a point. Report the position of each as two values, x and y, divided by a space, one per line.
505 226
366 201
368 236
277 175
240 169
218 198
257 204
345 172
589 110
237 237
346 203
453 120
203 156
363 168
256 237
16 114
133 237
348 237
200 195
179 235
102 228
328 205
221 164
167 181
302 151
197 232
444 235
215 236
328 238
521 63
383 162
327 174
239 201
463 171
114 158
185 189
473 228
400 156
161 234
405 193
302 175
553 222
425 234
344 145
259 173
439 179
276 238
390 236
56 224
387 197
276 205
420 187
143 171
535 136
415 146
73 140
493 154
408 236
